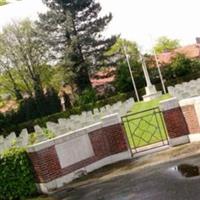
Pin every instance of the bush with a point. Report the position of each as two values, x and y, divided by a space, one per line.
16 175
88 96
38 106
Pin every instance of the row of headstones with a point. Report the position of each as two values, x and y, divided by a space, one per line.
185 90
89 118
64 125
12 140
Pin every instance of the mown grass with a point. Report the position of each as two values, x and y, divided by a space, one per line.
145 128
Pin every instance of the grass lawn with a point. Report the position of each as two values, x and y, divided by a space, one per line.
140 106
144 128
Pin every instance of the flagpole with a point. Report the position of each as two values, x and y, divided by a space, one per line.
159 71
129 66
158 67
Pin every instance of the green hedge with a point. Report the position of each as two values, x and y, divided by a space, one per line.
16 175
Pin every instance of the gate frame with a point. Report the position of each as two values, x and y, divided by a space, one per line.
156 110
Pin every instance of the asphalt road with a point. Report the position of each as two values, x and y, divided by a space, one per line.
158 182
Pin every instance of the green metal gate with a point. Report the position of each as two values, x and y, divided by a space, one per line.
145 130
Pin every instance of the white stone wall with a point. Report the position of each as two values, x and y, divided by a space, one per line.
185 90
75 122
78 148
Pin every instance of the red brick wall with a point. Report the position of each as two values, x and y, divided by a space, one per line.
181 121
45 164
191 118
105 142
175 123
115 138
100 144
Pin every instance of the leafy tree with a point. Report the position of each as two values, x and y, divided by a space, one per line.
8 79
163 43
123 82
181 69
72 29
23 55
181 65
23 59
118 50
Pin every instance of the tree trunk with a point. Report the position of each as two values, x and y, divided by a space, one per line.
82 79
18 95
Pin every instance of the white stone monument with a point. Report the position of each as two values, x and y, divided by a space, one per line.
151 92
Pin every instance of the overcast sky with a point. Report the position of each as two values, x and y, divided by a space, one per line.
136 20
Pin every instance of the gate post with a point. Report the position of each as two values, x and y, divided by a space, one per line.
175 122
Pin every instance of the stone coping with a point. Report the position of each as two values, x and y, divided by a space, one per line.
105 122
169 104
189 101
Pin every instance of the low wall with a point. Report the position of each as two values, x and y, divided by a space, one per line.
182 119
63 126
62 159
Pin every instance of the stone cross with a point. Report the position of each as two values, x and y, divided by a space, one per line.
146 74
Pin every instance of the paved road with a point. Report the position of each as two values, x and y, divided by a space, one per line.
155 183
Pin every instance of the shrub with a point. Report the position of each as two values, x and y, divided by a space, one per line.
48 133
88 96
38 106
16 175
32 138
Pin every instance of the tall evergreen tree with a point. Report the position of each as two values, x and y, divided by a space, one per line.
73 31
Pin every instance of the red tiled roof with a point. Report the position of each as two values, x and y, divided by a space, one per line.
99 82
103 77
165 58
190 51
105 73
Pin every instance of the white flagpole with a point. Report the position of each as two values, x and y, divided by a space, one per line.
129 66
159 71
158 67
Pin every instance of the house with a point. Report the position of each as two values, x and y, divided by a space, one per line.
103 78
190 51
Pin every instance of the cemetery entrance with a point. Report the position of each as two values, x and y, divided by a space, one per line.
145 130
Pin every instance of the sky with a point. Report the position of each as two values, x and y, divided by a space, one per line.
142 21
